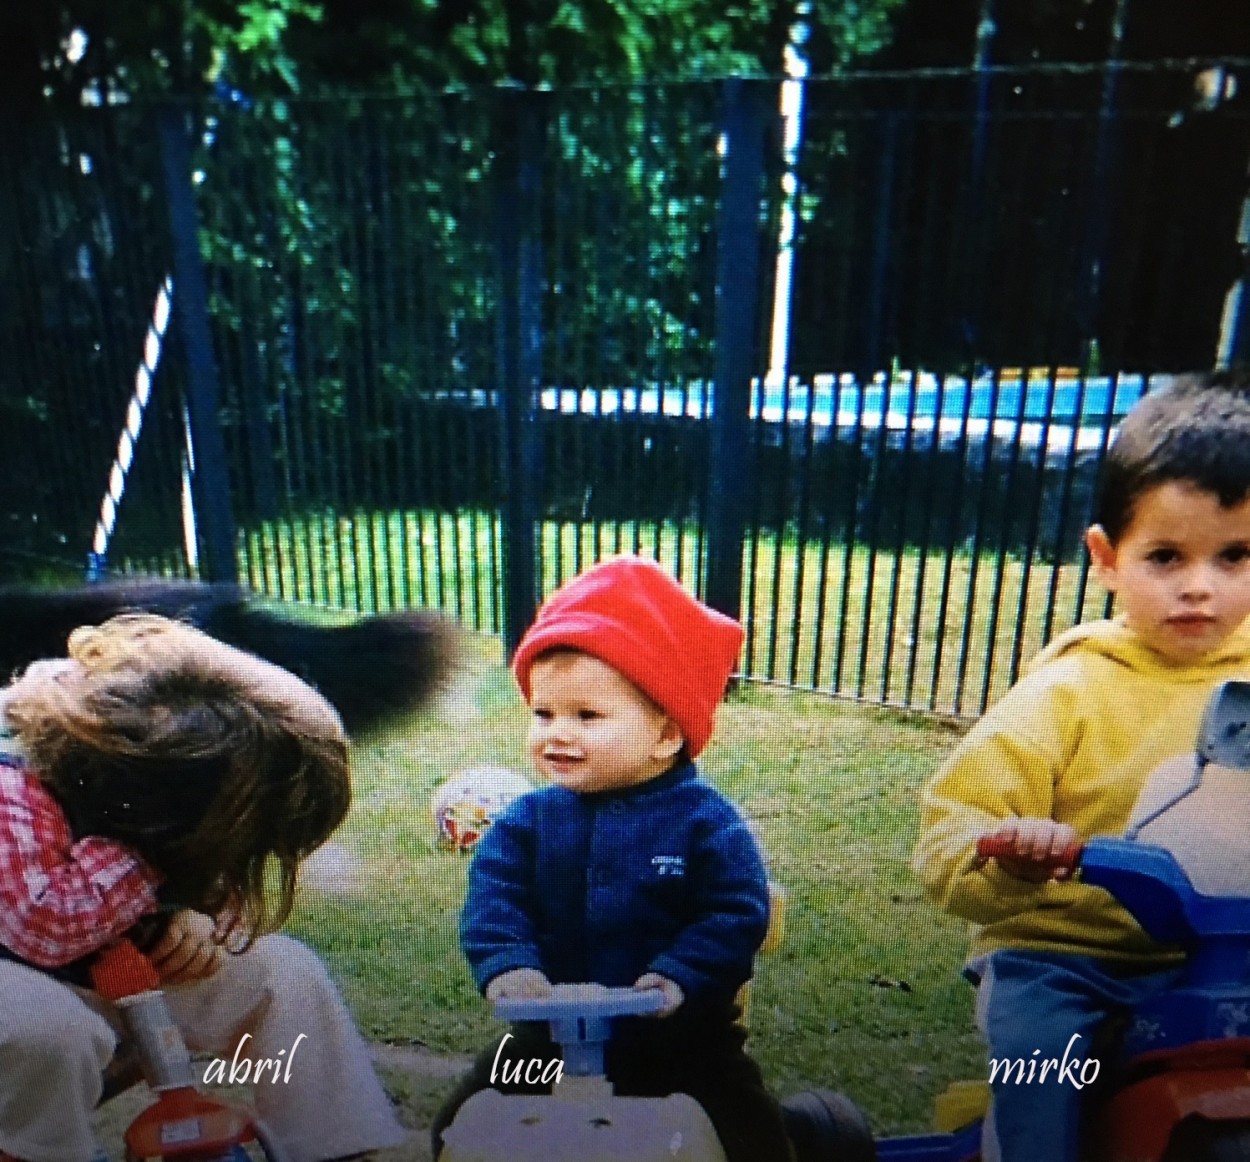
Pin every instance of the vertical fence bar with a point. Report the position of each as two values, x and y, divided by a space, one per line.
907 466
1090 290
874 360
737 304
953 528
342 168
362 186
1071 458
1007 509
802 530
64 449
850 535
826 539
932 467
752 532
781 513
518 152
1029 556
211 483
980 520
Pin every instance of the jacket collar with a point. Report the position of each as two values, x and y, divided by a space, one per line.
683 771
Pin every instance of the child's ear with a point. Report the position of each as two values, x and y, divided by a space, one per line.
1102 553
671 741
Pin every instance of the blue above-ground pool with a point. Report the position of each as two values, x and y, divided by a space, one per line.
1063 411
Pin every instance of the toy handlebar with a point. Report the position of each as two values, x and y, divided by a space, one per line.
573 1001
121 970
579 1017
991 847
183 1125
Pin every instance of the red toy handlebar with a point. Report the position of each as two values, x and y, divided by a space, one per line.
995 847
121 970
183 1125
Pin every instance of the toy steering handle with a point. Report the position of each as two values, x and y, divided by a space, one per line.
580 1019
121 970
573 1002
993 847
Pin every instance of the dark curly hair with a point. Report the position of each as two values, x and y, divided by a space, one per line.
1195 431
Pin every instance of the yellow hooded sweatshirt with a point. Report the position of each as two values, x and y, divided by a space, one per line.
1074 741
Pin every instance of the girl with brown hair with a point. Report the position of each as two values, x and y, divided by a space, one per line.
160 784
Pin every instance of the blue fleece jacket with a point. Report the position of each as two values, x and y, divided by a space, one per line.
660 877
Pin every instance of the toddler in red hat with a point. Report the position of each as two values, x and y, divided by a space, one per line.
628 869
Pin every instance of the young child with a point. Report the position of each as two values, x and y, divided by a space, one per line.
1064 755
148 782
628 870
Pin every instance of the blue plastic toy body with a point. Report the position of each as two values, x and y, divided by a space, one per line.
1212 1000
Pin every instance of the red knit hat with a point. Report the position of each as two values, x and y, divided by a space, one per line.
631 614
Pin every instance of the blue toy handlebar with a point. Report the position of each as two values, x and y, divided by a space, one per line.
580 1019
584 1002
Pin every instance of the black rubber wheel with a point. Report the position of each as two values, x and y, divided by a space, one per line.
824 1126
1197 1140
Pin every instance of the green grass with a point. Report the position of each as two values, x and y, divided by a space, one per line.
863 995
938 631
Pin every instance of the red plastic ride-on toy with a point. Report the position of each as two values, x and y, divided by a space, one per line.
183 1124
1179 1088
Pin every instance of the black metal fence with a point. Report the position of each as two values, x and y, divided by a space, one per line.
448 350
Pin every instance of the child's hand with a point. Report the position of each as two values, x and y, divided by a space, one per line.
1036 843
521 984
673 996
188 950
231 930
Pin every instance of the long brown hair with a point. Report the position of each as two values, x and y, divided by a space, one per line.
212 764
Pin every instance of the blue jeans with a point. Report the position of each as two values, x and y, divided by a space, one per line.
1039 1012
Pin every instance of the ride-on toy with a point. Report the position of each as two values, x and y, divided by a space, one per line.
582 1119
585 1121
1179 1088
183 1124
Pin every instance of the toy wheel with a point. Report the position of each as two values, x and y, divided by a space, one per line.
1198 1140
824 1126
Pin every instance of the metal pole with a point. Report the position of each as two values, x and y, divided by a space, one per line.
1100 208
519 153
1234 343
739 236
211 482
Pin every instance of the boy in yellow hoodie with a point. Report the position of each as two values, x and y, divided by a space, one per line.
1064 755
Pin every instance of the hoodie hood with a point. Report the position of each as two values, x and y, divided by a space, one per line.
1116 641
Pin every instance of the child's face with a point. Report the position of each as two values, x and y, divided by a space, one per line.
593 730
1181 570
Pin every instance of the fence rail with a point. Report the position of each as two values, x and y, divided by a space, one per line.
448 350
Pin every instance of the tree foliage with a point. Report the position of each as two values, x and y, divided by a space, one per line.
284 46
102 49
943 33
